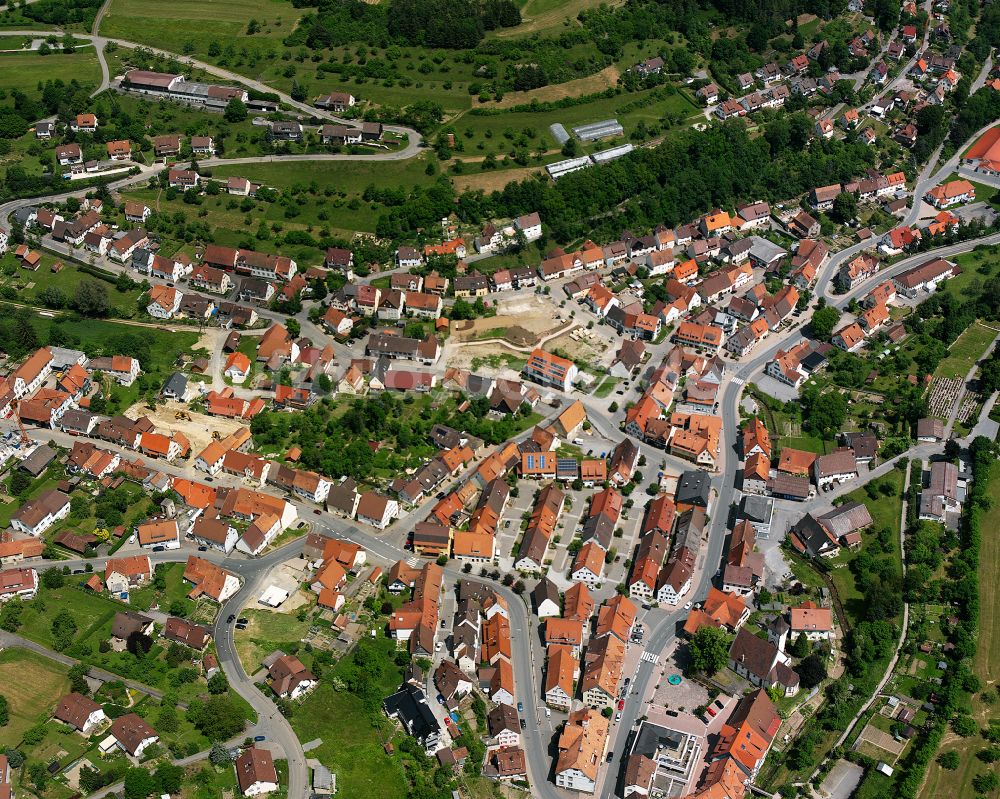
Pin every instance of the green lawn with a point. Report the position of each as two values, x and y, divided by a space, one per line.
965 351
30 285
498 133
352 747
266 632
977 267
176 591
317 196
32 686
606 387
156 348
25 71
984 193
48 479
885 512
92 613
205 781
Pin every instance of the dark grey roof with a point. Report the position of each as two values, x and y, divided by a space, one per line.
546 589
176 384
410 706
693 488
36 462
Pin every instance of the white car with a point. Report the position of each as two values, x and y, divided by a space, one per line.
688 606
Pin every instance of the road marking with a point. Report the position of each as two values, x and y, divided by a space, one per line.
650 657
738 381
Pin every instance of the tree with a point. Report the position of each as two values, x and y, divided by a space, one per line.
965 726
236 110
801 648
78 679
91 299
825 412
219 755
824 321
168 778
138 643
949 760
986 783
845 207
709 650
217 683
139 783
4 711
167 720
38 774
218 719
19 483
812 670
63 629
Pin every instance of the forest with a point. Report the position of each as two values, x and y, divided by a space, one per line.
680 179
453 24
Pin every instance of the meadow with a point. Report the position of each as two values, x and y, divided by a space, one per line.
24 71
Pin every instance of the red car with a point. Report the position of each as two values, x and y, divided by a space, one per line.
621 704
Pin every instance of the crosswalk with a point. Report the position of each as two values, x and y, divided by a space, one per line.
738 381
650 657
413 563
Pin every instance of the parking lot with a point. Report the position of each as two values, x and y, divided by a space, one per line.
570 526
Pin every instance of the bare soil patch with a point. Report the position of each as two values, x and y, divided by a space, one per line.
495 180
598 82
585 345
198 428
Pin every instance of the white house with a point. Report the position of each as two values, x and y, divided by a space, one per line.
132 734
377 510
38 515
530 225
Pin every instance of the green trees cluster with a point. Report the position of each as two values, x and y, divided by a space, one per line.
451 24
709 650
679 179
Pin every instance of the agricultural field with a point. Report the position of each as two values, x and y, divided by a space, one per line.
190 27
24 71
33 685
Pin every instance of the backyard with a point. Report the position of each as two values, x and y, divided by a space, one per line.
352 743
958 783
